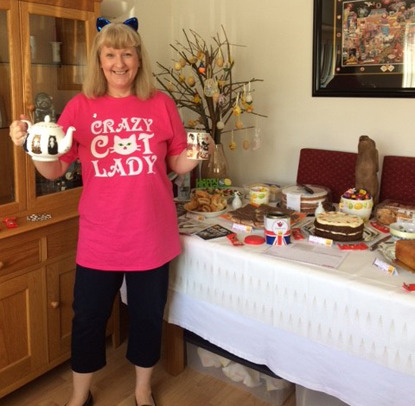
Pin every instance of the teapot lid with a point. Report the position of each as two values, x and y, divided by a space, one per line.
46 123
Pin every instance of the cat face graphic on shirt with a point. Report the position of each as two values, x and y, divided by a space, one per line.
125 146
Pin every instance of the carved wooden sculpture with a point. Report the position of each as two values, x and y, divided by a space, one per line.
367 166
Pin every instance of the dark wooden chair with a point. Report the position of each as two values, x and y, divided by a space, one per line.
397 181
332 169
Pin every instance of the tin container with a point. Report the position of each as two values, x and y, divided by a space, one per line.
277 228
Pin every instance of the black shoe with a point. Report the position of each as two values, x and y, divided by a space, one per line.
152 398
89 401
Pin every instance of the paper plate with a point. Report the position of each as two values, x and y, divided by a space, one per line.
207 214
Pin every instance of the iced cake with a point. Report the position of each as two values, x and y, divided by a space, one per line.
339 226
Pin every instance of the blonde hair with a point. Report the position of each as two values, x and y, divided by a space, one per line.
118 36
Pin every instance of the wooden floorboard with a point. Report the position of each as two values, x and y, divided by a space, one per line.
114 386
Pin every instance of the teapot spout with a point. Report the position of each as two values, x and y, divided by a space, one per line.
66 143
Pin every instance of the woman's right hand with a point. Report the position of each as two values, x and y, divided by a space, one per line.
18 131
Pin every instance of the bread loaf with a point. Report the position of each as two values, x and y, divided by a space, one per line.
405 252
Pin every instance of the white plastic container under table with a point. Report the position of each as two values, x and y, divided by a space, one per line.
308 397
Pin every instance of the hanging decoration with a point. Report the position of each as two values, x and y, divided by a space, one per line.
232 144
256 143
202 81
246 144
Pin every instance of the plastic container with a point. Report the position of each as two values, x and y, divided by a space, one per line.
258 194
272 390
308 397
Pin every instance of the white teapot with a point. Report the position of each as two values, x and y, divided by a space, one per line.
46 141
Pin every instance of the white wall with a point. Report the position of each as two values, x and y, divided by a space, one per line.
278 36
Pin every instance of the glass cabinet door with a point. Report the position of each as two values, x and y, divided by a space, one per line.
7 178
12 159
55 45
58 61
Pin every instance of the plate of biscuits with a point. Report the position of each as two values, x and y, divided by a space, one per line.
206 204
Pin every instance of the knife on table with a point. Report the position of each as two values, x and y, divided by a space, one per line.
376 244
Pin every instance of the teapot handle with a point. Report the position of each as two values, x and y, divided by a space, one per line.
29 124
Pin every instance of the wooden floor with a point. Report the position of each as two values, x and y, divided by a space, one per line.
114 386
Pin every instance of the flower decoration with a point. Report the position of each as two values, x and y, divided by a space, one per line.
201 80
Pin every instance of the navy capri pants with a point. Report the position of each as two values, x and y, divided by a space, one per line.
94 295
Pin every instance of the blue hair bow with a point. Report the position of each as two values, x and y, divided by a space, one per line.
131 22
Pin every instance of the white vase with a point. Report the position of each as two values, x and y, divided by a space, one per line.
56 51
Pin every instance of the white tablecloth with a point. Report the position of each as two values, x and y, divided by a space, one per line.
349 332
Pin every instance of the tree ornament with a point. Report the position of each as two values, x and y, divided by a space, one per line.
221 83
201 68
191 123
191 81
248 98
215 97
246 143
210 88
182 62
232 144
177 66
196 98
256 143
220 125
239 124
237 108
219 59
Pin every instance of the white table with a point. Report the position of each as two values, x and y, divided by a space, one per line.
348 332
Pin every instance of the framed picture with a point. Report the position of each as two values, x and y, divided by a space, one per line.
364 48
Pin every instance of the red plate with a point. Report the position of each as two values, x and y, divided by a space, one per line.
254 240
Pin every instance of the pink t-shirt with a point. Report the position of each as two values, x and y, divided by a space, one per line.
127 215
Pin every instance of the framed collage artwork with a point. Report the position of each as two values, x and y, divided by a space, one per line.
364 48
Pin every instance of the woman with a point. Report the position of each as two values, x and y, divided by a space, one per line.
127 135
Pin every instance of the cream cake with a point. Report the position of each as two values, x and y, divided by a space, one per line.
296 198
339 226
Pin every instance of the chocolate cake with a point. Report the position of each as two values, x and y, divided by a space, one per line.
339 226
252 215
308 202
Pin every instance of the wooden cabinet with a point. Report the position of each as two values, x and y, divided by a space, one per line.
37 267
43 50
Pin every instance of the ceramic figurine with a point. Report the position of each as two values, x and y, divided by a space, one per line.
236 202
